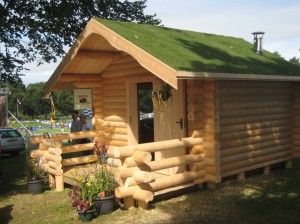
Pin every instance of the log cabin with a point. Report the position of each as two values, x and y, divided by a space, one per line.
219 109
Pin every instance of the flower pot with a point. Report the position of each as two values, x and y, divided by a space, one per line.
104 205
35 186
86 216
103 159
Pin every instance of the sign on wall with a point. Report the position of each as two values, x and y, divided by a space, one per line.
82 99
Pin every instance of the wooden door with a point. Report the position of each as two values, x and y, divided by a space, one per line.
170 125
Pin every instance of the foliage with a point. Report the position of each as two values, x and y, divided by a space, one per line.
97 183
232 201
82 195
34 105
32 168
100 148
104 181
38 30
201 52
295 61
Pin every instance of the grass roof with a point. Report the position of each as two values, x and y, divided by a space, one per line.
201 52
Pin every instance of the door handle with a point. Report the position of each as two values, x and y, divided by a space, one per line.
180 122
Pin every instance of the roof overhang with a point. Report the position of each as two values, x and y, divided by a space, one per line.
120 44
234 76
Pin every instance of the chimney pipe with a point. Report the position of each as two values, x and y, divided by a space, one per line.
258 42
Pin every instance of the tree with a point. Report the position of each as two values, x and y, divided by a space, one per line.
295 61
38 30
64 102
34 102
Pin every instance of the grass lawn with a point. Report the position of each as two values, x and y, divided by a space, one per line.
258 199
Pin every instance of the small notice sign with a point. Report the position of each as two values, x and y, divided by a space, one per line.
83 99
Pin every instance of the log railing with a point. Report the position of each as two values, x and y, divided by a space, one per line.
132 164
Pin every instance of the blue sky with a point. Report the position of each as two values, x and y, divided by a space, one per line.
279 19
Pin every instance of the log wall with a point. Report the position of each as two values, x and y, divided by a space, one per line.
255 125
110 106
202 116
296 120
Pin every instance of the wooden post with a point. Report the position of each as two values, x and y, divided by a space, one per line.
59 180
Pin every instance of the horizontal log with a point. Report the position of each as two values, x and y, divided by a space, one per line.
253 111
54 151
123 65
127 151
197 133
50 157
254 154
114 99
253 98
56 172
194 91
253 91
194 82
52 143
114 124
254 125
211 162
124 72
255 139
115 118
191 107
142 176
255 166
197 149
257 104
114 162
212 145
37 153
66 136
55 165
129 162
160 164
141 156
79 160
195 116
113 85
252 133
117 105
77 148
253 147
250 161
252 119
197 166
212 170
143 195
116 143
161 183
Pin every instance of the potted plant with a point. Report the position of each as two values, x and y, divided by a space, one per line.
82 196
35 174
100 150
105 183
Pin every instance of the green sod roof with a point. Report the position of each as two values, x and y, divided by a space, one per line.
201 52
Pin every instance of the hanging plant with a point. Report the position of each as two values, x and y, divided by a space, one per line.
160 99
163 93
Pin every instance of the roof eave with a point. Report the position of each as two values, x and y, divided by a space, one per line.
234 76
